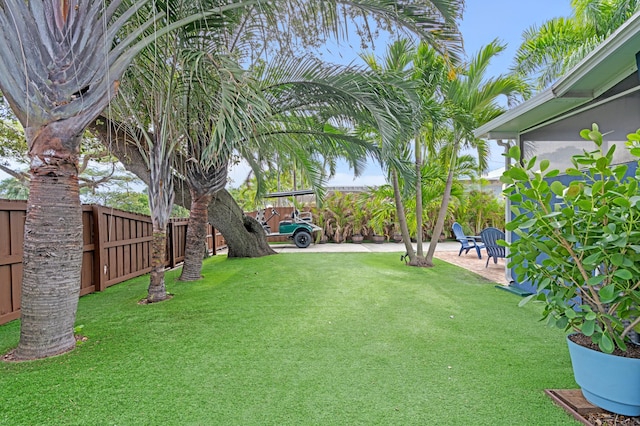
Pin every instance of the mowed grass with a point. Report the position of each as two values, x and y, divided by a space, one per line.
299 339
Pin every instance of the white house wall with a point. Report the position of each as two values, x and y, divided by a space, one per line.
560 140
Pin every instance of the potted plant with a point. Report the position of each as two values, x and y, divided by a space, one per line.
378 228
358 219
397 235
578 242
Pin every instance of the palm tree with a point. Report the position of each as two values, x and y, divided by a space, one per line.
58 70
297 130
471 100
550 50
426 69
221 107
60 66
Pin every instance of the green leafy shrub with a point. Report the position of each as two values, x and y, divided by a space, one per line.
579 243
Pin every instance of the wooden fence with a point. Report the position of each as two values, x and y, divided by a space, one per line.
116 247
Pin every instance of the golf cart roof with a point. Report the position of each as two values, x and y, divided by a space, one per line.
284 194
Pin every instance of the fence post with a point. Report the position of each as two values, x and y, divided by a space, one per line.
172 244
99 265
212 232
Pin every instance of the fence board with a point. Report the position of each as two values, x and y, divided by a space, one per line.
87 274
12 218
5 229
119 249
6 299
16 290
126 250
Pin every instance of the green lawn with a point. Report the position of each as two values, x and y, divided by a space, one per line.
299 339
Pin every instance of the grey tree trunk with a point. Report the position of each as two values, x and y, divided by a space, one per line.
418 154
414 260
244 235
52 247
442 213
157 291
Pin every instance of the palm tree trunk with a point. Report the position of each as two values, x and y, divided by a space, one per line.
414 260
245 237
444 207
196 234
418 154
401 216
157 291
52 248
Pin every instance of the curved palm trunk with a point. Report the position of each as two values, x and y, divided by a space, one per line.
157 290
196 235
442 213
418 154
52 246
414 260
244 235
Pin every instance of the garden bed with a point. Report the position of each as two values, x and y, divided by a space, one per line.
588 414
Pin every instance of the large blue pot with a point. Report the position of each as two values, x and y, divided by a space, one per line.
608 381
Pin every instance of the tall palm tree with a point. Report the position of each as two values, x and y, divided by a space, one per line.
221 107
426 69
60 66
471 100
550 50
227 38
398 64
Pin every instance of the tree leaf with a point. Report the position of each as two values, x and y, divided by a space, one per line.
573 191
588 327
595 280
544 165
607 293
606 344
527 224
622 202
517 173
514 152
617 259
557 187
623 274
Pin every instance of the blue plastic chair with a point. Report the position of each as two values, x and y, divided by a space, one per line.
467 242
490 237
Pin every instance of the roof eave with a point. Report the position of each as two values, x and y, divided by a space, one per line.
568 87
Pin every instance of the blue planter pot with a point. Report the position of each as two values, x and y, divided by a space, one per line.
608 381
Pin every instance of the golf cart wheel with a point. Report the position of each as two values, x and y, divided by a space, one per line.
302 239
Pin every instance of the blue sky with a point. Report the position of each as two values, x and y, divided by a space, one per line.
483 21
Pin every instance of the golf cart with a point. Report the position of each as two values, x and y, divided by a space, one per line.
298 227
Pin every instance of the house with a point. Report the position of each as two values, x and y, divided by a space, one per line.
604 88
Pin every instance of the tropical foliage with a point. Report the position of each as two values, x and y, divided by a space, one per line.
550 50
44 42
373 212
